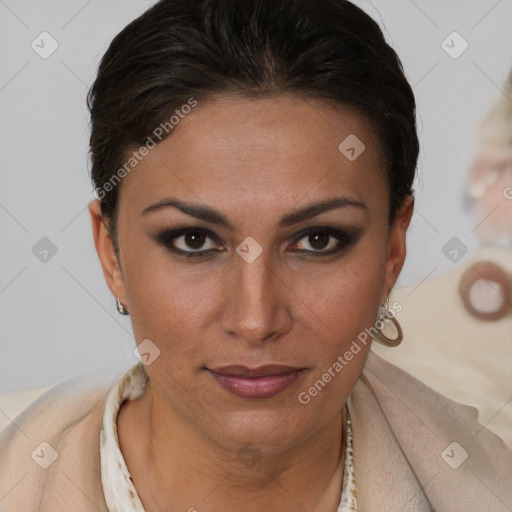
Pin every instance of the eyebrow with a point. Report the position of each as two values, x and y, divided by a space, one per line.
213 216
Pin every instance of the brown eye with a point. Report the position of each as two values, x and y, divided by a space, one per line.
189 242
194 239
325 240
319 240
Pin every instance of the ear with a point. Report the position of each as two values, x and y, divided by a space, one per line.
106 252
397 245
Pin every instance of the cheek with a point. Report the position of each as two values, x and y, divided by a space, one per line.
325 391
343 308
346 298
163 297
344 313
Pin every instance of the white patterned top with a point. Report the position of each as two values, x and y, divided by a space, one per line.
118 488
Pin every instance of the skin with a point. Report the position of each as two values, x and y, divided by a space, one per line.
254 161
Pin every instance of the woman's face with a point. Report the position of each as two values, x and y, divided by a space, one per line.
257 273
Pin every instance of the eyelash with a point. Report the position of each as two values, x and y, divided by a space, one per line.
345 239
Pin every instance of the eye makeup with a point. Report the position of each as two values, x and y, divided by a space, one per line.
195 238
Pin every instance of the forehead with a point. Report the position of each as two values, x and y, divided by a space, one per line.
238 149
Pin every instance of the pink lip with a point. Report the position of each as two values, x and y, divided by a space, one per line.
262 382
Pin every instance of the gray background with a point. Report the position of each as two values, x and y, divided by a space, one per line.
58 319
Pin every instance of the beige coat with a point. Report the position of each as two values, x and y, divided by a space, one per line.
403 433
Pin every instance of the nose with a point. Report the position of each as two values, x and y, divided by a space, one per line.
257 307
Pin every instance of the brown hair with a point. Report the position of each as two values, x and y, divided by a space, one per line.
180 50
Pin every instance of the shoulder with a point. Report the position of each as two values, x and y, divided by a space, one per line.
391 386
47 435
14 402
436 444
405 399
56 407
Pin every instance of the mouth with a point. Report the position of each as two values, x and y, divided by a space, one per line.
257 383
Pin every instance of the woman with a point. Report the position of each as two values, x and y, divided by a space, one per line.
253 164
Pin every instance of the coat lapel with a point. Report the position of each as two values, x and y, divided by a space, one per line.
74 480
385 480
64 422
417 450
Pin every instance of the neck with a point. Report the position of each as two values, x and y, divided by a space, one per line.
175 467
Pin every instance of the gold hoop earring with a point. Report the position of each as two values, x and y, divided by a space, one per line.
120 308
380 337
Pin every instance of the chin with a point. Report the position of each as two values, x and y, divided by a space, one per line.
269 431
